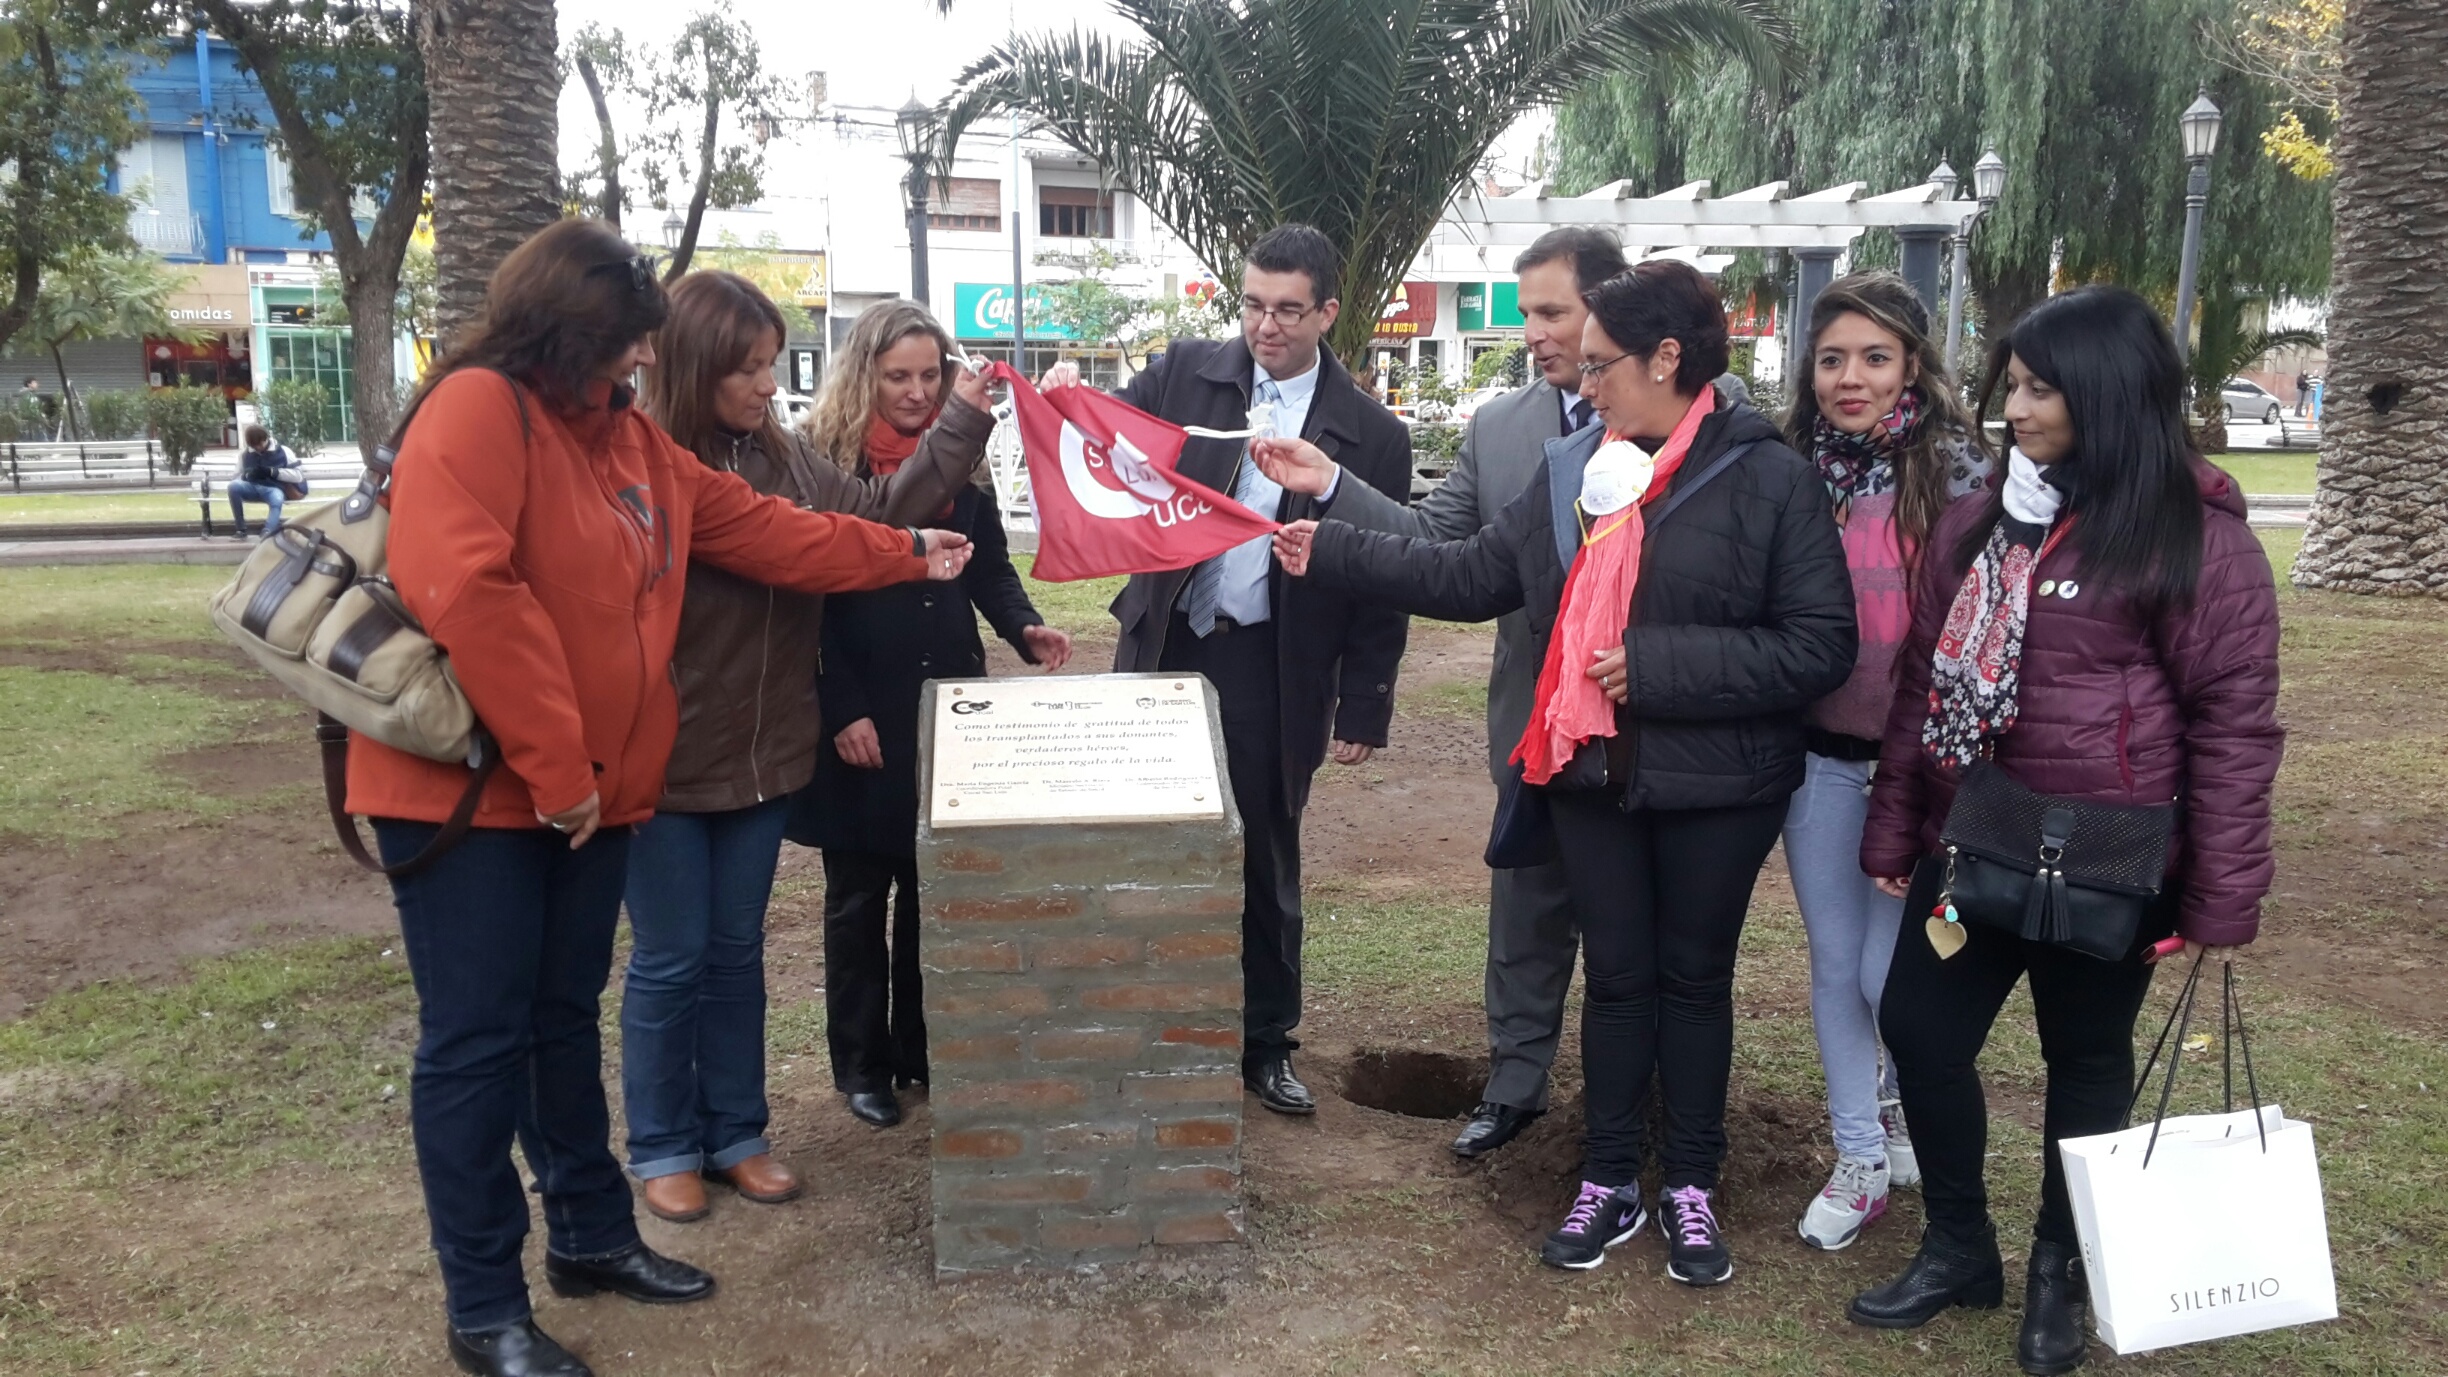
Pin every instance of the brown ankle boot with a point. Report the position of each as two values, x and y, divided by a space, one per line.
759 1178
679 1197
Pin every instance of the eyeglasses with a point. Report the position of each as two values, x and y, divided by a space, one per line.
1286 316
1591 370
641 270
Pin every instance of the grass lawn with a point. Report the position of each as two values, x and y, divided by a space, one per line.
2287 473
163 504
157 1138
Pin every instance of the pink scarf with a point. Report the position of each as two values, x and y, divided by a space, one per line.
1571 707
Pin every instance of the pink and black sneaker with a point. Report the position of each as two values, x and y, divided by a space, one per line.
1601 1217
1696 1253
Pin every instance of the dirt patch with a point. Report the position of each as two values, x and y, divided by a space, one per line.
243 768
1415 1082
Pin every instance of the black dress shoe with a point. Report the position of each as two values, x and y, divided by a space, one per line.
637 1272
517 1349
1941 1275
2052 1340
877 1107
1491 1126
1278 1089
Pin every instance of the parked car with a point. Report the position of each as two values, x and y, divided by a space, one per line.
1469 405
790 408
2249 401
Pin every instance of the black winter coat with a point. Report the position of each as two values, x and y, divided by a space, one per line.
1742 618
879 648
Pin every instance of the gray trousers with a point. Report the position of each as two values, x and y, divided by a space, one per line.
1531 945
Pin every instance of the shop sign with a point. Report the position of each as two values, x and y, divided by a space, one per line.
1487 306
1409 313
983 311
1471 307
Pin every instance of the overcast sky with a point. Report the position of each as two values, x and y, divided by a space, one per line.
873 52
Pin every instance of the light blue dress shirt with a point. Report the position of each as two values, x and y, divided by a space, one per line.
1243 594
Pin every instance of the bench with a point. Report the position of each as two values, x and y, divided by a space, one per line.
328 476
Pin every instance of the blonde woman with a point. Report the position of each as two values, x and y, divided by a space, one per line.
891 382
693 1021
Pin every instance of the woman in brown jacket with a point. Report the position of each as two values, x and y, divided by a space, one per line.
693 1019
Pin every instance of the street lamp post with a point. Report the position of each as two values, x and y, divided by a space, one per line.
1988 184
673 226
915 123
2199 125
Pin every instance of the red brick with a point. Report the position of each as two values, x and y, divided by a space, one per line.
1195 946
1181 997
1070 953
970 862
1042 1094
1026 908
1171 903
1010 999
978 1142
1094 1044
1081 1235
1003 1047
1182 1089
974 956
1037 1188
1091 1138
1215 1227
1186 1181
1229 1038
1198 1133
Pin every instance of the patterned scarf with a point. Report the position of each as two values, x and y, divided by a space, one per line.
1862 465
1976 674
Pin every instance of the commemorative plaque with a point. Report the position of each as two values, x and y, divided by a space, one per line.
1101 748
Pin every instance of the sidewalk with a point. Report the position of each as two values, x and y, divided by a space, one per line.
148 550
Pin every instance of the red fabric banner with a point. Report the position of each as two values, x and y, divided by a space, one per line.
1102 480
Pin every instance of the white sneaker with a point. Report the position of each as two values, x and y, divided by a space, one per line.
1903 1168
1855 1196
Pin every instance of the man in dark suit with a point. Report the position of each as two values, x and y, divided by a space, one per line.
1292 663
1531 938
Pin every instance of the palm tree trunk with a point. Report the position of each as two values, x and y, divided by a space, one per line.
493 83
2378 524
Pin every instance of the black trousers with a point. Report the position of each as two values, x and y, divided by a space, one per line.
1661 898
875 997
1936 1016
1241 663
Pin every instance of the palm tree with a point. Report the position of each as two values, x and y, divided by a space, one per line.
2225 348
2378 524
1361 117
493 82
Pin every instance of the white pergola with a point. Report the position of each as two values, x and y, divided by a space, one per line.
1479 235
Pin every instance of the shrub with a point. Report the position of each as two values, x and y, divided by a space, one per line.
187 421
294 411
1434 444
115 415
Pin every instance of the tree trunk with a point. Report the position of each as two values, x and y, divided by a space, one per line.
373 307
492 81
705 183
2378 522
607 148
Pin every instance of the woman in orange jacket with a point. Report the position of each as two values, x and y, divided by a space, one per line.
541 532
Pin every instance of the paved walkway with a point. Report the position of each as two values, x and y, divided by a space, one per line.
149 550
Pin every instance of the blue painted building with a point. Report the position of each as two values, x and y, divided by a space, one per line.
211 191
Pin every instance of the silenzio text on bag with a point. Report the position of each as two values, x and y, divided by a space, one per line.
2213 1297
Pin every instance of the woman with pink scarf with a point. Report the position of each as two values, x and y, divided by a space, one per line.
1684 577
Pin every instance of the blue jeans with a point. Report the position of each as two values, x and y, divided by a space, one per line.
509 940
693 1020
1852 930
268 494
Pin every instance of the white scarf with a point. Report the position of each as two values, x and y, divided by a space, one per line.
2029 496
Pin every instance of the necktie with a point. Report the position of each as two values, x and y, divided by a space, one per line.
1581 413
1206 593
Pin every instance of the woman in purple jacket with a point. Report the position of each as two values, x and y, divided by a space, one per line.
2111 635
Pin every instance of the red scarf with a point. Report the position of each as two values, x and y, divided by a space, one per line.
1571 707
887 449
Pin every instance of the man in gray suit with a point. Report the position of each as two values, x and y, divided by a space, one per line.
1531 937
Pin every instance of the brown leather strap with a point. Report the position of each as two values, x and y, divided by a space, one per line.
356 645
280 583
334 737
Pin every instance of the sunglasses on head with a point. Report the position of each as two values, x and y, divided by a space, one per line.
641 270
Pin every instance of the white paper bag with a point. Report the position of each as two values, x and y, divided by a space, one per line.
2215 1237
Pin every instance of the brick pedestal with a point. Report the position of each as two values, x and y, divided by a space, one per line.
1083 1004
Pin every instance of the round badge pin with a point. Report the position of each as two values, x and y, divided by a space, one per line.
2068 589
2048 588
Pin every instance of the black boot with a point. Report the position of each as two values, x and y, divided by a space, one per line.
1942 1274
2052 1341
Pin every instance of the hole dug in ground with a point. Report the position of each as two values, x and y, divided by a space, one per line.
1420 1084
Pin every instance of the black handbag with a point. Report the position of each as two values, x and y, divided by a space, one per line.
2068 872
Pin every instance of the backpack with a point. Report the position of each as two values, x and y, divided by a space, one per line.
313 604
